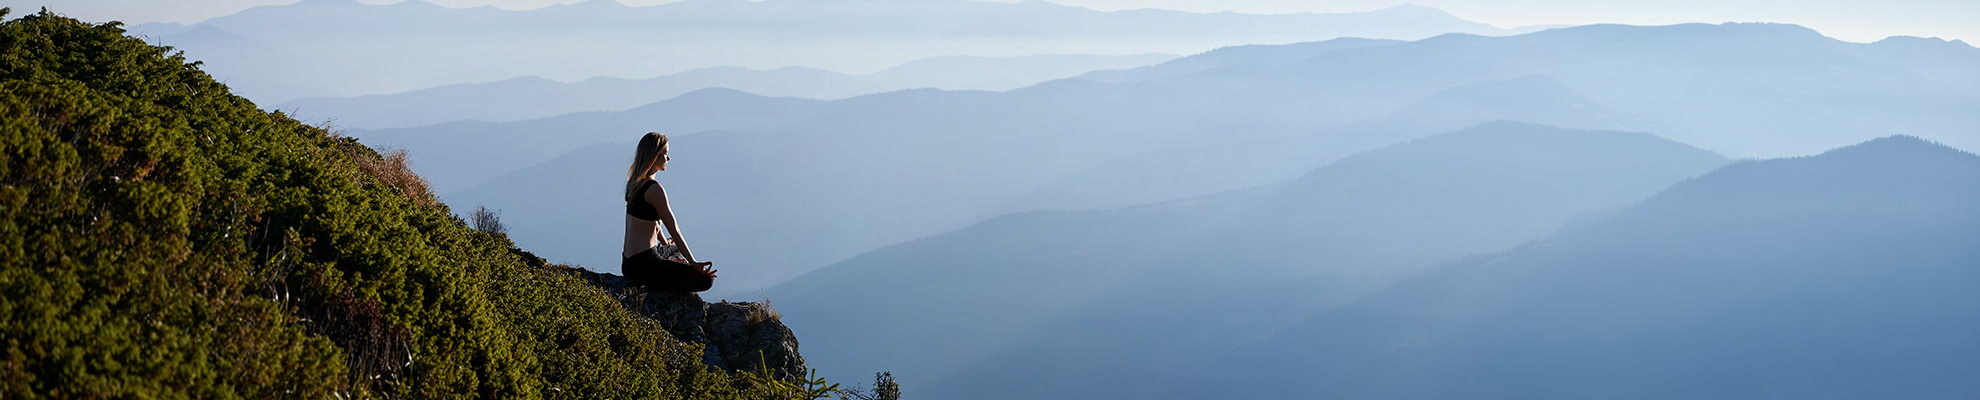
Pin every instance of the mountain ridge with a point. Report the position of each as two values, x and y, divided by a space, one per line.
533 97
1227 128
1133 261
1804 277
406 38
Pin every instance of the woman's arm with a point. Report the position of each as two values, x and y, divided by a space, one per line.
658 196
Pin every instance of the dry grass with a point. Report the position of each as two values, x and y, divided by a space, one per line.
764 313
389 167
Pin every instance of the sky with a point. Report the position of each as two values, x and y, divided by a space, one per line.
1852 20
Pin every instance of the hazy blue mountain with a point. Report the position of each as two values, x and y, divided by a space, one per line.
457 155
1082 304
533 97
1252 54
1220 166
873 170
884 168
1741 89
920 18
1844 275
1950 62
414 44
1002 73
247 65
1748 90
877 169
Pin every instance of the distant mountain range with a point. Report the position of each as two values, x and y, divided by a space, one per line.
1840 276
1025 305
782 186
342 48
1844 275
533 97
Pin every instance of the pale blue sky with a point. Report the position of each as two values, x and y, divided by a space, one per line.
1853 20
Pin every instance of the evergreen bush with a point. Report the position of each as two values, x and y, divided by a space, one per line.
163 238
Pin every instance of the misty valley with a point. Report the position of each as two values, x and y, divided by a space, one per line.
1135 204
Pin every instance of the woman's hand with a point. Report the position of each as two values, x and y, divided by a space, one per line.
703 267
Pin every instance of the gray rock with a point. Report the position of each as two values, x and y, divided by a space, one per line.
742 336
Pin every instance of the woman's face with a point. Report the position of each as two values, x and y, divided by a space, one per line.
662 159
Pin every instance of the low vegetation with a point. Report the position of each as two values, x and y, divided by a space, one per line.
162 238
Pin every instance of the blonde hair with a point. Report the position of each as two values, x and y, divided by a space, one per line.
643 166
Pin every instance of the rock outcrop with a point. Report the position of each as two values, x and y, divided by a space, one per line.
741 336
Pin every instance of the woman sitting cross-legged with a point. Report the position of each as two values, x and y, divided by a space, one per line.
659 263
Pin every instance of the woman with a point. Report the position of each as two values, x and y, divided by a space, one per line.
660 263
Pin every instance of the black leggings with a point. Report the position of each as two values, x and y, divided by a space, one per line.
647 268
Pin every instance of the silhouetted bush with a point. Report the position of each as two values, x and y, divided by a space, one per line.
884 388
486 220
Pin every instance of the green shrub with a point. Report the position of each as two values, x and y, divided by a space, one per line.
160 237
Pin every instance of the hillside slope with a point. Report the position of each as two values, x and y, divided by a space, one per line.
163 238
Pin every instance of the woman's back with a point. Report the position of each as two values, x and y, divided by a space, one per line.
642 222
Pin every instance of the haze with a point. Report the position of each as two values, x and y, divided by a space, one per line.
1093 199
1852 20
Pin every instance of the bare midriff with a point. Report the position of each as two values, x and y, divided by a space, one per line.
640 235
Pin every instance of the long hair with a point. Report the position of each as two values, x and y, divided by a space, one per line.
642 165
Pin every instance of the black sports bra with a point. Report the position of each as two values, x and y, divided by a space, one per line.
638 207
